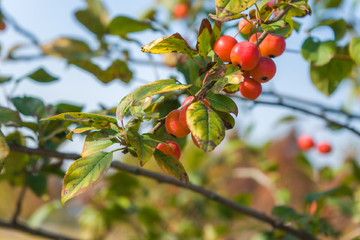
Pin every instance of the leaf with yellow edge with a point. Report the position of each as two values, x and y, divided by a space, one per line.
203 45
169 44
227 10
205 125
84 174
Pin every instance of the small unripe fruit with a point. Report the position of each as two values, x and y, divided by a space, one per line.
180 10
264 71
324 147
271 46
223 47
166 150
245 26
250 88
191 98
173 126
245 55
305 142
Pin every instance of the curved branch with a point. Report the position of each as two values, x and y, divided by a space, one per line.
170 180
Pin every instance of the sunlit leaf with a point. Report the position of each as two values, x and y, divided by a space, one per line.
4 150
78 130
91 21
227 10
205 125
117 70
93 145
95 120
157 87
224 75
354 49
84 174
171 165
168 44
203 45
124 106
215 33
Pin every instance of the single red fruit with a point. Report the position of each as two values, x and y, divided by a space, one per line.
166 150
271 46
223 47
264 71
195 141
173 126
191 98
324 147
245 26
180 10
2 26
245 55
250 88
305 142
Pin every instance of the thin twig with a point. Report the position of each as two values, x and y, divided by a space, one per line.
35 232
170 180
18 204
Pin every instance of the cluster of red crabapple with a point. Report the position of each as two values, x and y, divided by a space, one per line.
306 142
176 125
255 62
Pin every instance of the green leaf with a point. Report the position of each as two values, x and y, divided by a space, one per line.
227 119
28 106
224 75
205 125
285 213
84 174
64 107
4 79
279 28
41 75
318 53
4 150
171 165
91 22
9 117
93 145
203 45
222 103
215 33
37 183
38 217
354 49
144 145
122 25
157 87
227 10
168 44
78 130
125 104
139 106
340 191
338 26
299 9
117 70
331 3
233 88
99 10
95 120
67 48
327 78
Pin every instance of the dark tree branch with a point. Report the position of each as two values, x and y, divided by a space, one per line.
170 180
35 232
18 204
